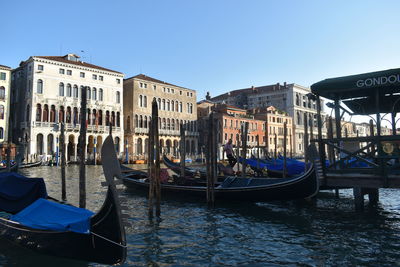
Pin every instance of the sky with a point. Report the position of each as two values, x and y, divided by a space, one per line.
214 46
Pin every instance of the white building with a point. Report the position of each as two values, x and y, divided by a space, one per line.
5 85
46 90
291 98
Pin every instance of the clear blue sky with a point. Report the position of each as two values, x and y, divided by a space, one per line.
211 46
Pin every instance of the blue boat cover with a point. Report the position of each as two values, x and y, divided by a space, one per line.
48 215
18 192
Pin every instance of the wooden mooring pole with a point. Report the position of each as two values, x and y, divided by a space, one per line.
276 146
183 151
258 152
305 141
284 149
211 160
62 152
82 148
155 185
245 128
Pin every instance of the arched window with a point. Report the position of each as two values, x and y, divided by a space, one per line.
168 124
88 93
298 118
100 94
1 133
107 118
68 115
163 104
61 114
140 121
94 117
145 101
45 113
52 113
118 97
136 121
2 92
297 100
76 91
1 112
100 119
94 93
140 101
164 124
159 103
145 122
61 89
69 90
168 105
76 116
113 118
118 120
39 112
39 89
172 105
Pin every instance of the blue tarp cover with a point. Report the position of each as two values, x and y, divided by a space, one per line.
18 192
48 215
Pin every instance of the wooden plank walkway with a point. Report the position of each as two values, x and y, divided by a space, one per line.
363 180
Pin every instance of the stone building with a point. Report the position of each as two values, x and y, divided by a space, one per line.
291 98
5 85
275 120
230 120
46 90
176 105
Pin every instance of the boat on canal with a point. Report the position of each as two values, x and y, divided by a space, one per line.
67 231
30 165
238 188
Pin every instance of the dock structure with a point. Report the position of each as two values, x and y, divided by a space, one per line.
363 163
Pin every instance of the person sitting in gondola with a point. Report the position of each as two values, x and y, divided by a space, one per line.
228 149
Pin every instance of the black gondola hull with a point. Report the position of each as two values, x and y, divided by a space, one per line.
304 186
88 247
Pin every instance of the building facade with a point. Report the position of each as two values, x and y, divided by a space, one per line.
46 91
176 107
291 98
5 85
275 122
231 120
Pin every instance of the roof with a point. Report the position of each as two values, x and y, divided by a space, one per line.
5 67
367 105
78 63
360 85
151 79
253 89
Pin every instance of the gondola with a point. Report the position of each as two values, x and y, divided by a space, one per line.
104 242
30 165
242 189
192 172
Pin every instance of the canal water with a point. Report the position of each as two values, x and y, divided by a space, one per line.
323 232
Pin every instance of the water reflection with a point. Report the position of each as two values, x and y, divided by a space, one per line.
323 232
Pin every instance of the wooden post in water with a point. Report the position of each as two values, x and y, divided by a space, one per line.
284 149
82 147
183 150
62 152
8 149
291 145
276 146
258 152
211 162
155 186
305 140
237 152
331 152
244 147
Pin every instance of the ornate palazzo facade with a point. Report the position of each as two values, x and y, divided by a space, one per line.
47 91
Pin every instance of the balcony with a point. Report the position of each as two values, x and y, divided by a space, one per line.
141 130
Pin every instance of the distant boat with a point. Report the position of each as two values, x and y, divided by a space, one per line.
32 220
30 165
